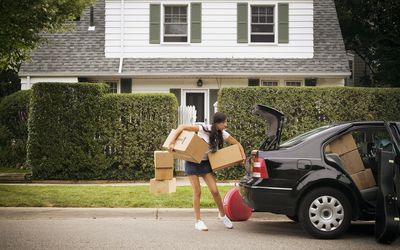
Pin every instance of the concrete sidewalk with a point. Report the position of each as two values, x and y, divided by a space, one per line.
180 181
32 213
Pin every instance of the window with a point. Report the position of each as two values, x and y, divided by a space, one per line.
262 24
175 24
113 86
269 83
293 83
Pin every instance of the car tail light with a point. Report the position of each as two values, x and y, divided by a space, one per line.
259 168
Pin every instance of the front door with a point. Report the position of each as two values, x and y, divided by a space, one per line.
199 100
387 225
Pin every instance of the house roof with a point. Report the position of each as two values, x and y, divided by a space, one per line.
81 53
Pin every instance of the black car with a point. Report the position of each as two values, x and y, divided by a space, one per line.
302 179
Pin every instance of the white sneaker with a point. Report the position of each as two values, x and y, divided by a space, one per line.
200 225
227 222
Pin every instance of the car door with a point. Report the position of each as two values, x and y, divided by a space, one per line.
387 225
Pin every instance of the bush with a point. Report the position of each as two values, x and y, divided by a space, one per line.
304 108
13 128
77 131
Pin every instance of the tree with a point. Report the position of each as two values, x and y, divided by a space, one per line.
22 22
371 28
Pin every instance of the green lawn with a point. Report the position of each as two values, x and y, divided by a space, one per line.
14 170
100 196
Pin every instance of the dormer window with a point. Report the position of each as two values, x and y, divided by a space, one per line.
175 23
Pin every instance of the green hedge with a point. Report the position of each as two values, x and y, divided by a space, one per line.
77 131
304 108
134 126
13 128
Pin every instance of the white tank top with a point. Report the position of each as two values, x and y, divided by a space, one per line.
206 135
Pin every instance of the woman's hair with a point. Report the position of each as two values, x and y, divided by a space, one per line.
216 139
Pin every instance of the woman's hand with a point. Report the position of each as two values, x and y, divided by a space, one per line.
171 146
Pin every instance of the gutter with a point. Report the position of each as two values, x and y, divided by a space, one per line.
121 51
183 75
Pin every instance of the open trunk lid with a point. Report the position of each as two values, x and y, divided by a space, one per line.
274 119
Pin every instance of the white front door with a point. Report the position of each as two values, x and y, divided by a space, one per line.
199 99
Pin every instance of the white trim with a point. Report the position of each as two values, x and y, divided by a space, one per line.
179 74
121 62
162 17
294 80
206 100
275 4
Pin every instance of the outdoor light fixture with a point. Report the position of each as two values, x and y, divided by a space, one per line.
199 83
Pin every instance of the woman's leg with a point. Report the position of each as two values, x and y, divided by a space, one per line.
212 186
195 182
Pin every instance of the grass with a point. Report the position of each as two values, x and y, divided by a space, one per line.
14 170
101 196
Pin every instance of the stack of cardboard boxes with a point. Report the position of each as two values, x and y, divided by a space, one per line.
346 148
164 173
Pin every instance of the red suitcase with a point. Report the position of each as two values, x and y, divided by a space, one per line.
234 206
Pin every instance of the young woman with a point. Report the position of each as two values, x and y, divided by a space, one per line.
214 135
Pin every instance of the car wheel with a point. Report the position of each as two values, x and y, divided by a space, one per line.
293 218
325 213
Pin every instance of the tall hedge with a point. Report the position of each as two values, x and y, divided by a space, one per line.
13 128
134 126
63 122
77 131
304 108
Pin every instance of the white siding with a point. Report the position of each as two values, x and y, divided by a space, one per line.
218 32
27 82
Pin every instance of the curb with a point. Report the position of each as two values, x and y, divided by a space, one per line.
53 213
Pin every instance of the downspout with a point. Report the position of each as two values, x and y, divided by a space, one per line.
121 51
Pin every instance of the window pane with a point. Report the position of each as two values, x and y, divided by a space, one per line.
270 19
175 29
293 83
262 38
257 28
270 10
182 39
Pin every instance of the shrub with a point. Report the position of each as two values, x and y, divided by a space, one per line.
13 128
77 131
304 108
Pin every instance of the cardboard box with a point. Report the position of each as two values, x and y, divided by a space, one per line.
166 187
188 146
163 159
343 144
164 174
352 162
226 157
364 179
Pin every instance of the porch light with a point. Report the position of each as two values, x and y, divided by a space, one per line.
199 83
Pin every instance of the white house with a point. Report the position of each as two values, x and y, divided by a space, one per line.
192 48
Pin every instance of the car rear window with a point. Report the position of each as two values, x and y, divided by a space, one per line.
300 138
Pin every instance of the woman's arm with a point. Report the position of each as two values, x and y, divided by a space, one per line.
179 130
231 140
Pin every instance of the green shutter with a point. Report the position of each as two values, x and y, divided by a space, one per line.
154 23
242 19
126 85
177 93
283 22
195 29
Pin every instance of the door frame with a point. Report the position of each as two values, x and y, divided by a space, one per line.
206 100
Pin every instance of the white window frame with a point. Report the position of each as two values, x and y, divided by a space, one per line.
105 80
206 100
301 83
262 83
162 29
273 4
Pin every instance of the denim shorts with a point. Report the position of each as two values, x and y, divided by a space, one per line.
202 168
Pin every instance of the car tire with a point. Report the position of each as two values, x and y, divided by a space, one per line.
293 218
325 213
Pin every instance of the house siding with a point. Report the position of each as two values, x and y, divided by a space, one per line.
127 32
